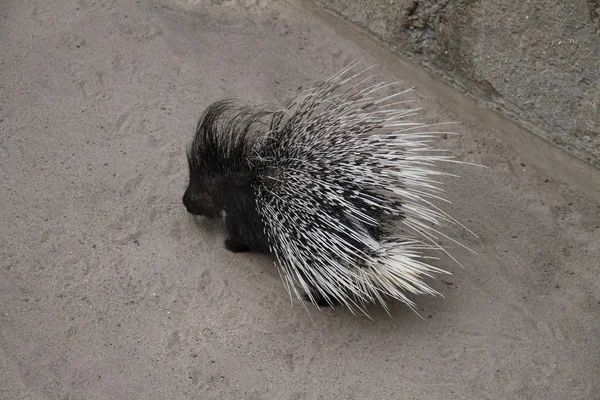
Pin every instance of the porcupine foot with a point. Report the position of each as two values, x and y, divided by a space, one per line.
319 300
236 246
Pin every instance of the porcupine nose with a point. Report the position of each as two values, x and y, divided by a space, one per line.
187 202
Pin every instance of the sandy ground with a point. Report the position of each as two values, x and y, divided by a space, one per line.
109 290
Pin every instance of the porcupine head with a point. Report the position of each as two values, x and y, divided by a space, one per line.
220 175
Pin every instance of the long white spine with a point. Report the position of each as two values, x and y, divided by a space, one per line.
395 157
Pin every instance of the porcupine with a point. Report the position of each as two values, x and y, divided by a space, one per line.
323 184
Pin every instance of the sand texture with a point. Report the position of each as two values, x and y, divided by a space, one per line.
109 290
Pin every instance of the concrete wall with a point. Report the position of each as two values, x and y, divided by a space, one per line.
536 61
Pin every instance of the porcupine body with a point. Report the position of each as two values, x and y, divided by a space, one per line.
338 186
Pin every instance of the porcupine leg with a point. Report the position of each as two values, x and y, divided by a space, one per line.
236 246
246 232
235 243
317 297
319 300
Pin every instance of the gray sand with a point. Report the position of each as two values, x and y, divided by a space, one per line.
109 290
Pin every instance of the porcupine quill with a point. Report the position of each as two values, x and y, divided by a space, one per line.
323 185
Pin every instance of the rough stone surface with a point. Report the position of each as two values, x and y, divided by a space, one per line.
536 61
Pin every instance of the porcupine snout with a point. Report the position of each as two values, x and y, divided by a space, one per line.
189 201
198 202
